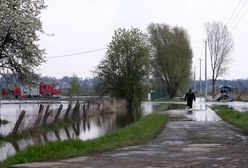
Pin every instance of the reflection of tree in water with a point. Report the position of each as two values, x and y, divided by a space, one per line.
68 135
84 125
57 135
126 118
76 128
101 124
15 145
45 137
88 124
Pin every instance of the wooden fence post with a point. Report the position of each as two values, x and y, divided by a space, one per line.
58 113
21 116
39 117
67 111
75 113
44 121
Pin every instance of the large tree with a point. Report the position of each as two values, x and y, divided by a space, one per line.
220 44
171 56
122 71
19 25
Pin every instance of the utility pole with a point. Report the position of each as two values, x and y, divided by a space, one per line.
206 80
194 80
200 79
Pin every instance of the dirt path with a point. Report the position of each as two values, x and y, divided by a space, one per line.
181 144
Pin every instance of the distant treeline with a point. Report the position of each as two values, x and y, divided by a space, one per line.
87 83
236 84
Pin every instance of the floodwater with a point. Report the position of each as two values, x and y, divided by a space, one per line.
91 127
239 106
10 111
199 112
88 128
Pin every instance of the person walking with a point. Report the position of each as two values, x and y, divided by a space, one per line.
189 97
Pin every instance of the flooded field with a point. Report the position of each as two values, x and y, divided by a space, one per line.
239 106
88 128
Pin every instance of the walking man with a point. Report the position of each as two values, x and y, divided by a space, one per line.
189 97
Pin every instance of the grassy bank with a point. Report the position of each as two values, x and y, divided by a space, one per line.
239 119
144 129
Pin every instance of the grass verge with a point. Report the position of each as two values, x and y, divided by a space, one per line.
144 129
239 119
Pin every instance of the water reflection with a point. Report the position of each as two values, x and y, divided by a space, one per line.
88 128
201 112
85 129
11 112
149 107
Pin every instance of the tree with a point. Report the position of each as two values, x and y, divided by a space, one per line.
121 72
19 25
171 56
75 86
220 44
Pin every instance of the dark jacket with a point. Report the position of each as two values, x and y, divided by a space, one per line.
190 96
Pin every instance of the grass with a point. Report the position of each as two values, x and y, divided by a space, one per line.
239 119
144 129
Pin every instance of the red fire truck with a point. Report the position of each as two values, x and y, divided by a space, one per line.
37 90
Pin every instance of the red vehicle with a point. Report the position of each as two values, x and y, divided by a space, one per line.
52 90
37 90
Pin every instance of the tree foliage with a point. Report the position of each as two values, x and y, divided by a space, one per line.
75 86
171 56
19 25
126 63
220 44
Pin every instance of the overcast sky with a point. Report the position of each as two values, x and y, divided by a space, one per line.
84 25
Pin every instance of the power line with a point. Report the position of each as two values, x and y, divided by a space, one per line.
239 19
229 20
237 15
79 53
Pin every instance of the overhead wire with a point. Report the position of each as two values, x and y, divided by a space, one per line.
73 54
234 22
230 18
237 23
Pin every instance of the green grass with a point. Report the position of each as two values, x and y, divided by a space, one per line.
144 129
239 119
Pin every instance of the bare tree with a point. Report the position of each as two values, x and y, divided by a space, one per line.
220 44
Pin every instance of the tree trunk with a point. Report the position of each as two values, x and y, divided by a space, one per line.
213 88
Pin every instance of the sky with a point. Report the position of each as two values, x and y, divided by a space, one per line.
82 26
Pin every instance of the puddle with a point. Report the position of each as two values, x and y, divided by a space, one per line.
199 112
173 142
201 147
